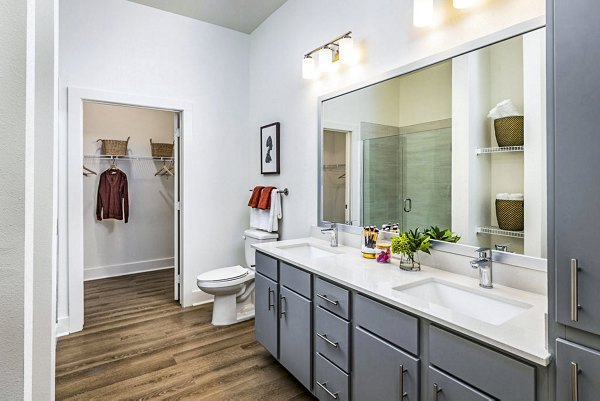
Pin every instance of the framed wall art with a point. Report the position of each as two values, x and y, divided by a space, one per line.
269 149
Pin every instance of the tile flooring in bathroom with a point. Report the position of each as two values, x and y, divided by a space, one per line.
139 344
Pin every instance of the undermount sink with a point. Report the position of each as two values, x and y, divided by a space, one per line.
308 250
448 297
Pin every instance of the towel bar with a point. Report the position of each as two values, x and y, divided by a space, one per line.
284 191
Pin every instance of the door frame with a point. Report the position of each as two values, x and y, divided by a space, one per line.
75 258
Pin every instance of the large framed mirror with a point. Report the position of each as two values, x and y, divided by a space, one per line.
422 149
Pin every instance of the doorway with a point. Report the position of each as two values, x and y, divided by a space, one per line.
336 176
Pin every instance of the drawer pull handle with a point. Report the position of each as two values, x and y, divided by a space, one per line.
269 298
324 387
436 391
324 297
575 290
402 393
575 381
327 340
281 303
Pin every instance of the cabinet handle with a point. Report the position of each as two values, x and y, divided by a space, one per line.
324 387
281 303
269 298
327 340
436 391
575 290
324 297
575 381
402 372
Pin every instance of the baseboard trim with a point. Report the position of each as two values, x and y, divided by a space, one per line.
95 273
200 297
62 326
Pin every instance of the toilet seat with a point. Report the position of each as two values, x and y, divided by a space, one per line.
224 277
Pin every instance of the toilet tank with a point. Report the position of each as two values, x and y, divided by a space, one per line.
254 236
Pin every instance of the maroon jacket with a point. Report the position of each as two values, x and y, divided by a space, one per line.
113 197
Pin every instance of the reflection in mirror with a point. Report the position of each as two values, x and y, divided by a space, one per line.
419 150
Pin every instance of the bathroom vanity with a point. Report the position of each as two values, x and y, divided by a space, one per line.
352 329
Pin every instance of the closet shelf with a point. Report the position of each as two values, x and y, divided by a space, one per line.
105 157
497 231
504 149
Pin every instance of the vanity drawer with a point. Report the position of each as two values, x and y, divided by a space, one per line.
332 338
266 265
295 279
490 371
388 323
333 298
450 389
331 383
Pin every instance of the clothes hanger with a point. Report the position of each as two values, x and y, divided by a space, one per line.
162 169
88 171
113 167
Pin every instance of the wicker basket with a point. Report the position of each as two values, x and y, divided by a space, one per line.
113 147
509 131
510 214
161 149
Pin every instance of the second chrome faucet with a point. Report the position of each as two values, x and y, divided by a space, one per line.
333 230
484 264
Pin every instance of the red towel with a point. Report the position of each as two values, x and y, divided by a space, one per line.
265 198
253 202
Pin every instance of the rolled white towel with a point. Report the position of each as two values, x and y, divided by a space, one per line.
503 196
505 108
516 196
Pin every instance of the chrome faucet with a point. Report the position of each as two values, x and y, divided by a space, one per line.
334 234
484 264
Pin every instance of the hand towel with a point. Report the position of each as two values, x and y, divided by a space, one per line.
267 220
265 198
253 202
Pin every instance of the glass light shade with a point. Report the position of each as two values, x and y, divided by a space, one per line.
325 60
423 13
347 54
463 3
308 68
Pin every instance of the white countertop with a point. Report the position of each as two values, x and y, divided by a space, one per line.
524 335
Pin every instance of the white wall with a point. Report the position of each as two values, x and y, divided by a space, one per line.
386 38
119 46
146 242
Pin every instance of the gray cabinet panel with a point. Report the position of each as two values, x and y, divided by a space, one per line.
295 335
577 369
450 389
332 338
333 298
392 325
266 265
295 279
577 181
496 374
266 320
331 383
376 371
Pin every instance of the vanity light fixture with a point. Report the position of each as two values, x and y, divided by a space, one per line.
423 13
463 3
340 48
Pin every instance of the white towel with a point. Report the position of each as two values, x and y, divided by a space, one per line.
267 220
505 108
507 196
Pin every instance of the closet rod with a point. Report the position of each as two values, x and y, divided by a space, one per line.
106 157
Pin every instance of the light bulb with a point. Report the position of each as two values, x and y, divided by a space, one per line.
423 13
325 59
347 54
308 68
463 3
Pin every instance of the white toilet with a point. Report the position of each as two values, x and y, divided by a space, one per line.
233 287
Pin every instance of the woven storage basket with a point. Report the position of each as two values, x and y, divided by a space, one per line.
161 149
510 214
509 131
113 147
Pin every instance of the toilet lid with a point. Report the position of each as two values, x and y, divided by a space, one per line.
224 274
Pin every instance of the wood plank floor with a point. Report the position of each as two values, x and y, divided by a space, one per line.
138 344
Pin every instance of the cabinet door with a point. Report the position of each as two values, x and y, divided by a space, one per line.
577 165
266 317
577 372
446 388
295 335
381 371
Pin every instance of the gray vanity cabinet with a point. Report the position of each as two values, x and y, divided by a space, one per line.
266 294
577 179
446 388
577 372
382 371
295 334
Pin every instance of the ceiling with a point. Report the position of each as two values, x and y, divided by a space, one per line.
240 15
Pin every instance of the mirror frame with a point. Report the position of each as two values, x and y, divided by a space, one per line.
525 261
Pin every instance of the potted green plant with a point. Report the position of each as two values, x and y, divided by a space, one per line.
407 245
434 232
